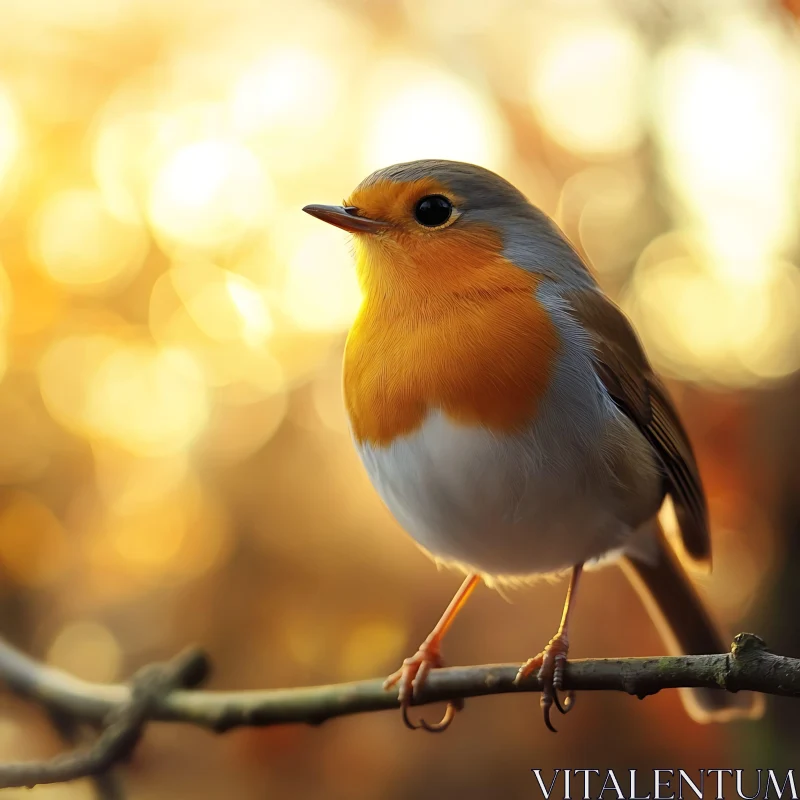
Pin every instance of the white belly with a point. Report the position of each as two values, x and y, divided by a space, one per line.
507 507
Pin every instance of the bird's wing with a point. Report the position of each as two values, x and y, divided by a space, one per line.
628 377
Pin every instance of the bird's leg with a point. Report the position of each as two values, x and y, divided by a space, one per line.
551 661
410 678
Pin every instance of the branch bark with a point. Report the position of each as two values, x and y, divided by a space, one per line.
155 694
123 726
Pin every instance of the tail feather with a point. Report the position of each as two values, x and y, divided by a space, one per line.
686 626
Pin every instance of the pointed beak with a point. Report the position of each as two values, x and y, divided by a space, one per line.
345 217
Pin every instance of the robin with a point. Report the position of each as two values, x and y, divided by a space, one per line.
508 417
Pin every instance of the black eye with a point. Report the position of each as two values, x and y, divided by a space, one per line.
433 210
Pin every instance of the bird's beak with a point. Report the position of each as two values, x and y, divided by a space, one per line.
346 217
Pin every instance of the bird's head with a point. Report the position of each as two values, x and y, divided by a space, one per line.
443 228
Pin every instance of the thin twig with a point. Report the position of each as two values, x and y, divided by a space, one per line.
154 694
123 726
74 733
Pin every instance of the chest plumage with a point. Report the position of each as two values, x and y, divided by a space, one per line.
483 358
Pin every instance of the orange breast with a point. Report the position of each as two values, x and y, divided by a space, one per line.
483 354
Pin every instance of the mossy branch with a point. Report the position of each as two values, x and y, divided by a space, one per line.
160 693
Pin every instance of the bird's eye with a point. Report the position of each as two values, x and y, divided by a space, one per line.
433 210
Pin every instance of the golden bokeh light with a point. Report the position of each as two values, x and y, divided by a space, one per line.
79 243
83 15
243 374
370 648
225 320
27 448
284 107
328 398
34 547
38 303
151 401
208 541
455 17
122 157
727 120
741 562
601 206
88 650
419 110
321 292
297 355
10 134
6 300
730 143
587 81
697 324
209 194
127 483
66 371
224 305
249 303
150 541
291 88
243 421
12 738
176 537
3 357
305 636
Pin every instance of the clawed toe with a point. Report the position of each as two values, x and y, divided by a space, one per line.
410 679
453 707
549 666
552 676
528 668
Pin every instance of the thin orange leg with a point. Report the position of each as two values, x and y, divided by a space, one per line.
410 678
551 661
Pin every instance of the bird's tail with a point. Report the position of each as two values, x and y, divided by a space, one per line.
685 625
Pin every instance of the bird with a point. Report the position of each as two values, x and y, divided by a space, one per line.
508 416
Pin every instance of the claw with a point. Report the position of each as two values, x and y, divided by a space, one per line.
557 703
551 663
408 723
453 707
546 704
566 705
559 661
410 679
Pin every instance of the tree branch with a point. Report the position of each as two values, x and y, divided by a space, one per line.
123 726
156 693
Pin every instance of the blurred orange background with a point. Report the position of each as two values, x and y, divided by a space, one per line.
175 465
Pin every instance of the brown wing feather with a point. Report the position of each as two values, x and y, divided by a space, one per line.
627 375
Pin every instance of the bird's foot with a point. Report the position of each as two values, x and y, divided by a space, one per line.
549 666
410 679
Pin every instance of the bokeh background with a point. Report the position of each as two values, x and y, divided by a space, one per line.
174 460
